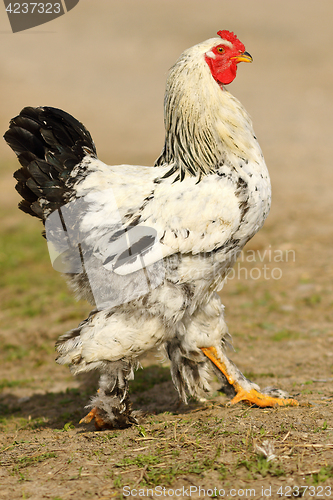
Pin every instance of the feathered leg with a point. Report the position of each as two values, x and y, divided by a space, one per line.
112 342
111 407
190 372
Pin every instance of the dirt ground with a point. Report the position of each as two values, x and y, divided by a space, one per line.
106 63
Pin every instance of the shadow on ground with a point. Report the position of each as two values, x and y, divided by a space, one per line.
152 392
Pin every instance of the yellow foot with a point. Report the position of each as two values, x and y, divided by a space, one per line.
242 386
253 397
99 422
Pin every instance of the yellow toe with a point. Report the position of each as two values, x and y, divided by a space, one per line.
88 418
253 397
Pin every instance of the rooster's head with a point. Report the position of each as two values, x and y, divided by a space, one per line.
223 58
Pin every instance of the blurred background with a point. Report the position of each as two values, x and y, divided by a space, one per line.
106 62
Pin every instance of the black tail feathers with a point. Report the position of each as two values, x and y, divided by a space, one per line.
49 143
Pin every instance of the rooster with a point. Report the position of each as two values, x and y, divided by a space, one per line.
149 247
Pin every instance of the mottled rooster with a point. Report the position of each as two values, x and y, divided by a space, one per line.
149 247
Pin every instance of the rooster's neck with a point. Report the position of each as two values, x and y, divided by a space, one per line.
204 124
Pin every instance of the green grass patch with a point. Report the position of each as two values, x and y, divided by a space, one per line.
148 377
27 461
14 383
284 335
19 422
253 376
259 466
29 286
13 352
23 462
323 475
313 300
266 326
68 426
22 246
166 474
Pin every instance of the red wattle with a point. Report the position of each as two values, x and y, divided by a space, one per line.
227 76
222 75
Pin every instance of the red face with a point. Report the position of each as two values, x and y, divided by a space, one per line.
222 61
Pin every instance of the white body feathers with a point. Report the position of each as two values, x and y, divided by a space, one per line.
202 221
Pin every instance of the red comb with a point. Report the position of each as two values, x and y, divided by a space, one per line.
231 37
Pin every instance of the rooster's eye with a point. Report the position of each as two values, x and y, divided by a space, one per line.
220 50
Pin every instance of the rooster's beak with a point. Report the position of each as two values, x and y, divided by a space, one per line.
244 57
